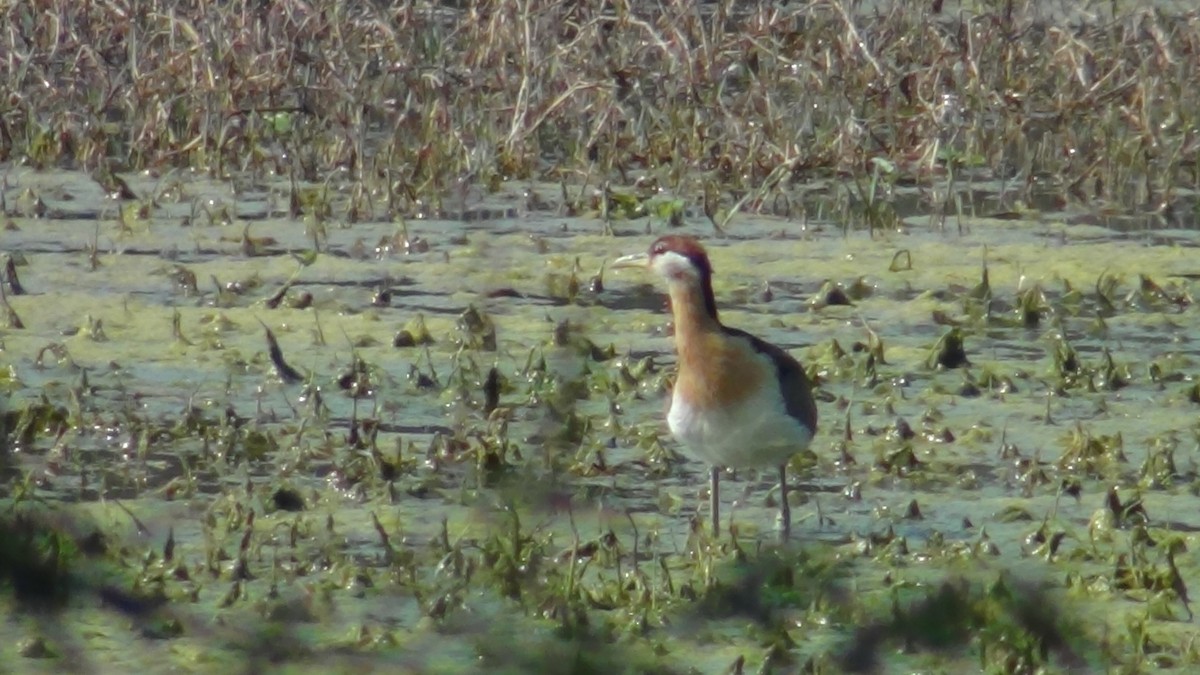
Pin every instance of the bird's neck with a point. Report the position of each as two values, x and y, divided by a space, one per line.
695 313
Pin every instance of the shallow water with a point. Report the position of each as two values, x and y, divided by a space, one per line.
133 469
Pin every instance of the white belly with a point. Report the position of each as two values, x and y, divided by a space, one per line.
756 433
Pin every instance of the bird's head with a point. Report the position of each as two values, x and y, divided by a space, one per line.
682 262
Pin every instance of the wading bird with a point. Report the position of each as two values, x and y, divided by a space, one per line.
738 401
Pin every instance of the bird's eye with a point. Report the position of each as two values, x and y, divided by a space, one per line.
658 248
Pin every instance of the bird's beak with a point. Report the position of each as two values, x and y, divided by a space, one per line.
634 260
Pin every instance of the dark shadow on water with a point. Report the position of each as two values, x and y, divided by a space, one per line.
643 296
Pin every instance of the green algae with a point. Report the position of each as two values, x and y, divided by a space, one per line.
414 508
1005 478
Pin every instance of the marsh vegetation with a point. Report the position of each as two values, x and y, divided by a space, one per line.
310 360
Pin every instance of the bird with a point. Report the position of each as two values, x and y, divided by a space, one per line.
738 401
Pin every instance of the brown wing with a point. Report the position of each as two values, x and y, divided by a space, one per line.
793 381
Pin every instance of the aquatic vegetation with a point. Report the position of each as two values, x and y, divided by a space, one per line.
311 357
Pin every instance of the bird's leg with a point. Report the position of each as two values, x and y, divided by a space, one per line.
785 509
715 505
